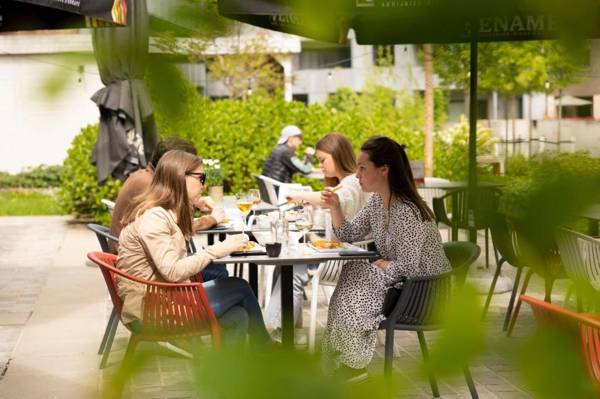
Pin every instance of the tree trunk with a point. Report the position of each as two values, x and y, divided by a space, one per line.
559 120
428 50
513 114
530 126
506 105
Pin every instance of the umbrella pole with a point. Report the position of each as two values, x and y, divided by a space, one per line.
472 181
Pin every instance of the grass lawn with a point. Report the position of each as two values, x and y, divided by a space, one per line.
28 203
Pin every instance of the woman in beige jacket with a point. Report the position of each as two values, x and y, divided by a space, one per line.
152 246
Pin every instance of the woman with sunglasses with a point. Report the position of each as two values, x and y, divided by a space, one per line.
152 246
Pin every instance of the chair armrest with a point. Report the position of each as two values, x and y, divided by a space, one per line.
142 281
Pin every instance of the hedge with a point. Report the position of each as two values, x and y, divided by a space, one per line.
242 134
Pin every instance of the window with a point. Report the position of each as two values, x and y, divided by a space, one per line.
317 55
303 98
383 55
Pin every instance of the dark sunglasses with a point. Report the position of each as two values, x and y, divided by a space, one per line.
201 176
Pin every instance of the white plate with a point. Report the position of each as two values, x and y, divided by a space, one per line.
256 248
227 225
345 247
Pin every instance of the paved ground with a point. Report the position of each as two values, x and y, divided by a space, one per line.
53 310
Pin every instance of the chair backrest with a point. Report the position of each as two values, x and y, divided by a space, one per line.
580 256
429 193
170 309
262 188
424 298
106 263
504 239
583 328
461 254
486 202
103 235
421 300
109 204
269 185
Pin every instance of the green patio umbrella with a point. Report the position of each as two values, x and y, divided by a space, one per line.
19 15
127 132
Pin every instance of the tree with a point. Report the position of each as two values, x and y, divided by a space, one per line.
510 68
429 108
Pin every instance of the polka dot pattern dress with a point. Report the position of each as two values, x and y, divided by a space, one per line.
413 247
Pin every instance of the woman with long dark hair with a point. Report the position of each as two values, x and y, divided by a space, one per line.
407 238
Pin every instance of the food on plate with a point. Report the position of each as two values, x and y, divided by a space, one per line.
224 221
326 244
249 245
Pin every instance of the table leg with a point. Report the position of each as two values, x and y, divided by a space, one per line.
253 277
287 307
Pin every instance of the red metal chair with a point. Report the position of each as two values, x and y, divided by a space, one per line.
171 310
586 326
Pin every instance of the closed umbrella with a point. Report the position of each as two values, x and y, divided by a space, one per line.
18 15
127 132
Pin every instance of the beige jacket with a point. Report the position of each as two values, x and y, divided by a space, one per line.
153 248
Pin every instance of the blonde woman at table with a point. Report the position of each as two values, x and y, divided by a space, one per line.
407 238
152 246
338 162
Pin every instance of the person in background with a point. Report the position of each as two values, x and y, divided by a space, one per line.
405 235
283 163
338 162
152 246
139 181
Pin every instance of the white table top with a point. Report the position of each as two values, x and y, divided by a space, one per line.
292 256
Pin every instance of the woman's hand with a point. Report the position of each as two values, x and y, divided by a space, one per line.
234 242
218 214
331 199
382 264
205 204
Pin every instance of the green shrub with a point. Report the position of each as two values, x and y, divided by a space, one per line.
241 134
42 176
80 193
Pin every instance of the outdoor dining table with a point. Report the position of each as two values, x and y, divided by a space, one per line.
299 255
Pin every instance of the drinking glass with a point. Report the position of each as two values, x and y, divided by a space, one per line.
304 221
244 204
254 196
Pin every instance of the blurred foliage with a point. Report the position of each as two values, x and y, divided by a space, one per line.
552 365
80 193
28 203
544 193
41 176
464 336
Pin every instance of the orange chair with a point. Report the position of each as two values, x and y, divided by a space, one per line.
171 310
549 315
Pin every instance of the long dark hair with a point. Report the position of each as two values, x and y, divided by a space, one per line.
385 151
342 153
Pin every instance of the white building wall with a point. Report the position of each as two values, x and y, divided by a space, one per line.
37 128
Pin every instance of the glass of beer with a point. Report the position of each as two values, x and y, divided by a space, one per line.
304 221
254 195
244 204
